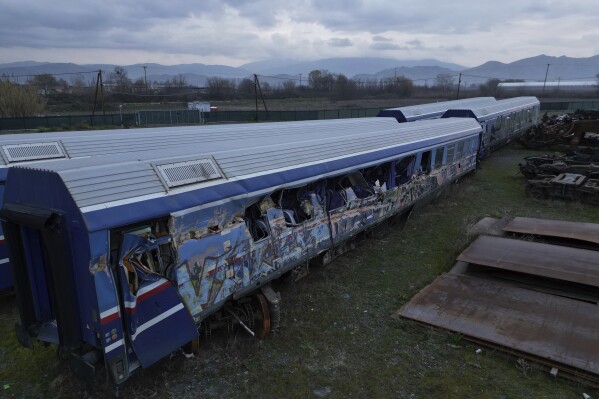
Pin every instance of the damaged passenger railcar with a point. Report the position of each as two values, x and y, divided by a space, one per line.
501 122
20 149
122 260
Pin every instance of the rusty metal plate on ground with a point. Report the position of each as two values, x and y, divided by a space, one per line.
555 228
547 327
552 261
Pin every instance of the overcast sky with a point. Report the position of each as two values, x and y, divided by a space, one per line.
234 32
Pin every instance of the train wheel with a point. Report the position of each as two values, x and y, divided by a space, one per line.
262 316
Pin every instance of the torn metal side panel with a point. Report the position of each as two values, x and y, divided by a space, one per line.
156 320
210 269
297 241
217 257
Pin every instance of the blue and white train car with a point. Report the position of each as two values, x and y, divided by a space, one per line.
20 149
433 110
121 258
501 122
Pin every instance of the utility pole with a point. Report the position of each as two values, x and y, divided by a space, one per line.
256 90
300 80
146 78
545 82
100 88
459 83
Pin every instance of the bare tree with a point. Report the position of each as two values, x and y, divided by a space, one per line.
288 88
179 81
321 80
120 79
245 88
220 88
399 86
139 85
489 88
344 88
18 101
45 83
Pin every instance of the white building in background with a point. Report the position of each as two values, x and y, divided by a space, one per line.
563 86
199 105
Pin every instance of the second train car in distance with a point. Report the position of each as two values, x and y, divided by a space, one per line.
122 260
502 121
418 112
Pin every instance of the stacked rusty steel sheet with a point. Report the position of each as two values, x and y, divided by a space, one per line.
532 292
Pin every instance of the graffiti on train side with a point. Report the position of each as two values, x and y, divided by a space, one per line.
240 245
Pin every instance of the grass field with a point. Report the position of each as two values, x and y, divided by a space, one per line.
338 338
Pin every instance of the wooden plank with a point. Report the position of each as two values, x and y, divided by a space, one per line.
552 261
559 330
555 228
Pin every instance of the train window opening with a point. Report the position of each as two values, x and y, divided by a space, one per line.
425 162
359 185
255 219
460 149
404 169
450 154
336 195
439 152
377 176
296 204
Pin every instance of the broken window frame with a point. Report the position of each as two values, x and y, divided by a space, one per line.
254 218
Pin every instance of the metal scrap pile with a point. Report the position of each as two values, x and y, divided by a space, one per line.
565 132
572 176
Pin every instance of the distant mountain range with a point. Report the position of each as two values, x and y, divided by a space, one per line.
276 71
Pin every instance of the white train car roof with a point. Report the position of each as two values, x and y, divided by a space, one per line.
433 110
31 147
500 107
119 189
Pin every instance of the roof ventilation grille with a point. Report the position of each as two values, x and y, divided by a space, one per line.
32 152
182 173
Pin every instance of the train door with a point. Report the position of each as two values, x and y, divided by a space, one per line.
156 320
6 282
43 275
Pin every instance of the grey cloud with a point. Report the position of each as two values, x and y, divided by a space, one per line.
386 46
339 42
378 38
250 30
415 43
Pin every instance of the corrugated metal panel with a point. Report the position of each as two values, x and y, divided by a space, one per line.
84 144
239 158
435 110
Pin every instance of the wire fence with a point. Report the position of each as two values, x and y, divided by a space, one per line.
194 117
174 117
